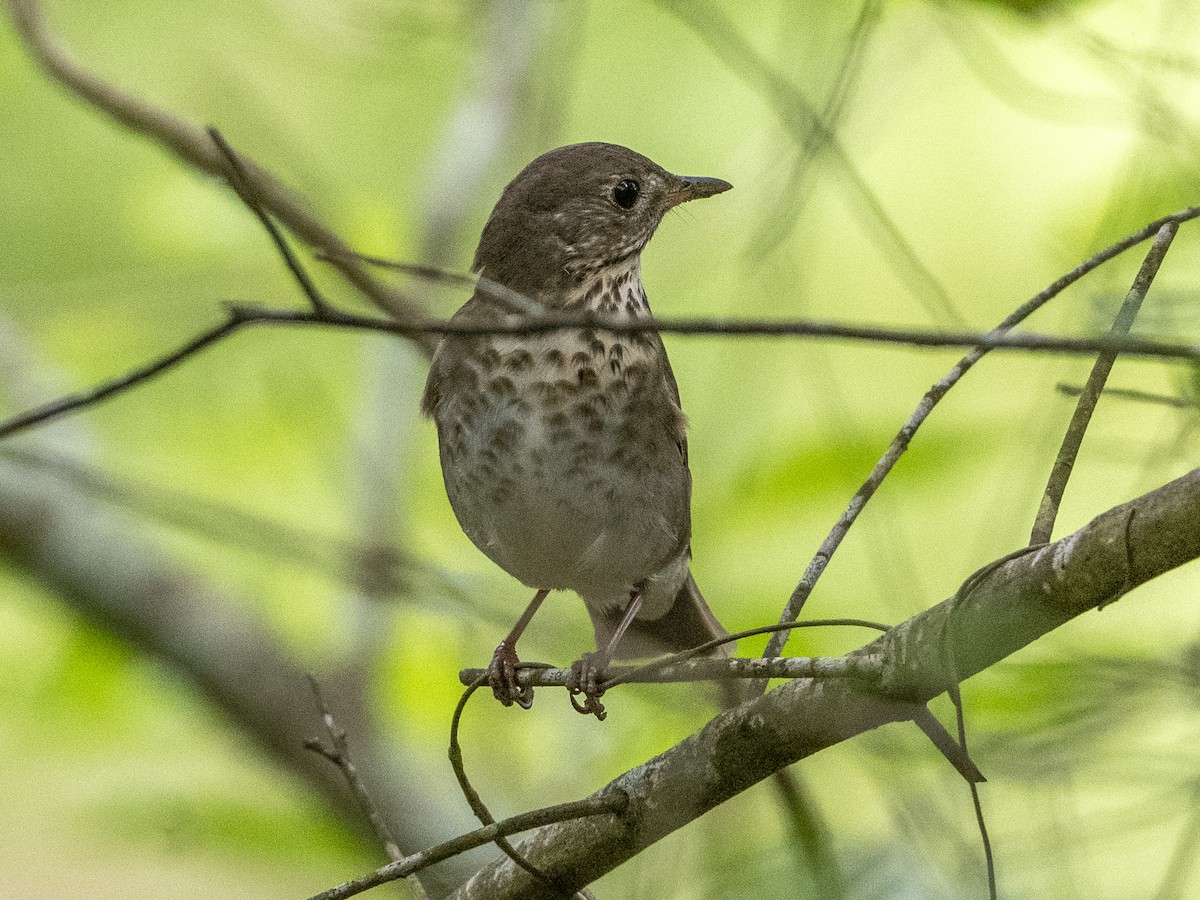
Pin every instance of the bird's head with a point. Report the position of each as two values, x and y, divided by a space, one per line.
575 211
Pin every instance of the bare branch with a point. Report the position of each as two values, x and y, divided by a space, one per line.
1060 472
708 670
479 808
932 397
90 397
1016 604
1074 390
239 180
338 753
245 314
611 803
194 147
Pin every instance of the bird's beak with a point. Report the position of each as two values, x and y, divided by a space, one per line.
691 187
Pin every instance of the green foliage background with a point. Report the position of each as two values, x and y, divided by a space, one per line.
1005 145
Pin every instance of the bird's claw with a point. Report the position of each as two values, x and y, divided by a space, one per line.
502 677
586 678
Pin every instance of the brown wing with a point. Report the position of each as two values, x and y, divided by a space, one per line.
450 360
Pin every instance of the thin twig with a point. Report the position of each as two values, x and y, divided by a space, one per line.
612 802
239 180
996 339
932 397
478 807
90 397
514 300
708 670
1074 390
674 659
1056 486
241 314
339 754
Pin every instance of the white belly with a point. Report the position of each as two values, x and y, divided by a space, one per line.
568 473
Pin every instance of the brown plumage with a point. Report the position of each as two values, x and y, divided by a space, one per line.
564 453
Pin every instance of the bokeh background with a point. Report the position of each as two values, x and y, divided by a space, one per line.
285 478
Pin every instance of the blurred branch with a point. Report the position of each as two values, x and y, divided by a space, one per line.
1019 602
327 554
1074 390
128 587
1148 58
192 146
1005 80
1060 472
1183 859
481 123
805 125
791 197
100 565
811 833
1129 76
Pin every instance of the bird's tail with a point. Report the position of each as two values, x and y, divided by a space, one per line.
688 623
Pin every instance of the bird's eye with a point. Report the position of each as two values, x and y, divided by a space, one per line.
626 193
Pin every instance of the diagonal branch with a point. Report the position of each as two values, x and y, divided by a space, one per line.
193 147
1020 601
1043 526
613 804
932 397
793 196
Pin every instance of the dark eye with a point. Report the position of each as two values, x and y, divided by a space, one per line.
626 193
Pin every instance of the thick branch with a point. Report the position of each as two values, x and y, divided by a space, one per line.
1019 602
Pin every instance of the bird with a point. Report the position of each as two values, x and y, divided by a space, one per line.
564 451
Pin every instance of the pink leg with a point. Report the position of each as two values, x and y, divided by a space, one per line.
588 671
502 673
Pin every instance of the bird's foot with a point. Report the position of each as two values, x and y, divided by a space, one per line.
502 676
586 678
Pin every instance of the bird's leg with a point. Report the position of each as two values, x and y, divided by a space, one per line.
502 673
587 671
